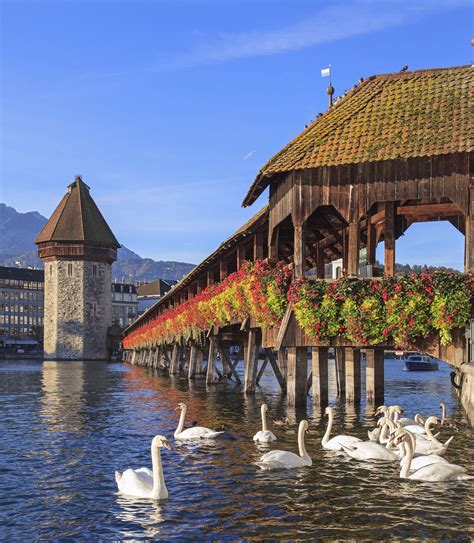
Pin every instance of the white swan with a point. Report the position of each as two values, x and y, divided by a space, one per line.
423 460
196 432
432 472
264 435
335 443
285 459
431 445
367 451
144 483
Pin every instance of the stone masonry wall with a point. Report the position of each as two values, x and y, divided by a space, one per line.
77 309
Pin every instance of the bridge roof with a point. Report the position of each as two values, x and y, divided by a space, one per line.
386 117
77 219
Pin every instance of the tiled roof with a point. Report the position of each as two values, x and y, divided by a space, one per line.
403 115
77 218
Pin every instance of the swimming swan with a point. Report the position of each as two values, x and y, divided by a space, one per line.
264 435
336 443
433 472
420 461
196 432
286 459
367 451
144 483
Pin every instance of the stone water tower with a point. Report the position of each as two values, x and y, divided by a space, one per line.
77 248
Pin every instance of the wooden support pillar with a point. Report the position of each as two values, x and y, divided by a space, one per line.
320 375
134 358
320 262
174 365
276 369
469 237
371 244
297 380
352 359
258 245
389 237
240 256
193 354
353 249
211 362
210 277
273 240
345 249
374 376
251 360
223 267
223 354
299 256
340 372
282 363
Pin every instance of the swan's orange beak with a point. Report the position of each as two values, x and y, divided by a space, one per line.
177 408
167 446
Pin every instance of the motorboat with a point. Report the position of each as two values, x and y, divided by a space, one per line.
420 362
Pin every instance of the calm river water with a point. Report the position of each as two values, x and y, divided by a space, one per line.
66 426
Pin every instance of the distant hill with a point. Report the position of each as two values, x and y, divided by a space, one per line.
17 248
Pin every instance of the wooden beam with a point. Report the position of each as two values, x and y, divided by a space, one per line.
261 370
320 262
353 249
211 362
251 361
352 357
223 269
374 376
174 364
282 363
297 384
319 357
193 354
377 217
240 256
389 238
299 247
439 210
283 327
226 356
276 369
371 244
258 245
273 240
210 277
469 236
340 372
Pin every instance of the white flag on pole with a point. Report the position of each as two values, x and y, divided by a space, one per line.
326 72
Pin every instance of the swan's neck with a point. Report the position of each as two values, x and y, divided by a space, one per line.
419 419
396 416
443 415
428 431
180 427
406 465
328 429
301 446
264 421
383 439
158 479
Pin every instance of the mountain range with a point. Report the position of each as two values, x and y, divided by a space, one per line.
17 248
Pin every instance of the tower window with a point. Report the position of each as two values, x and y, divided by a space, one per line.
94 270
69 270
50 269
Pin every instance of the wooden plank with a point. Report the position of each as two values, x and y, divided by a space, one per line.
223 269
261 370
389 238
283 327
353 250
439 210
282 363
320 374
273 242
340 372
251 361
233 371
210 277
193 354
374 376
224 361
296 386
174 364
352 357
276 370
469 236
258 241
371 244
240 256
211 373
299 247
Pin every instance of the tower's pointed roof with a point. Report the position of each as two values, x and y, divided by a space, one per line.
77 218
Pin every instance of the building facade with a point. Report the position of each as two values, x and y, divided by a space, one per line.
77 248
124 304
150 293
21 306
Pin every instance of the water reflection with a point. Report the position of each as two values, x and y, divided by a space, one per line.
144 515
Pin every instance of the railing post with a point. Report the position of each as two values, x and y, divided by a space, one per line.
319 357
374 375
297 380
352 375
211 361
251 361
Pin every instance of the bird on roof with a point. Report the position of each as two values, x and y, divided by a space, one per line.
404 69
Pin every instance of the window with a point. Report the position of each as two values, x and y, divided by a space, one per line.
69 270
94 270
50 268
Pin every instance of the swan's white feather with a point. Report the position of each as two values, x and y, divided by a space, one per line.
197 432
282 460
425 460
367 450
264 436
415 428
440 472
337 442
135 482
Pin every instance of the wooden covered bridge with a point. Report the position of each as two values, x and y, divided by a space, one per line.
395 150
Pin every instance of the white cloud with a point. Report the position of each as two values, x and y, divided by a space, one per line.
339 20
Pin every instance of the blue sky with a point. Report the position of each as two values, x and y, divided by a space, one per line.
168 109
